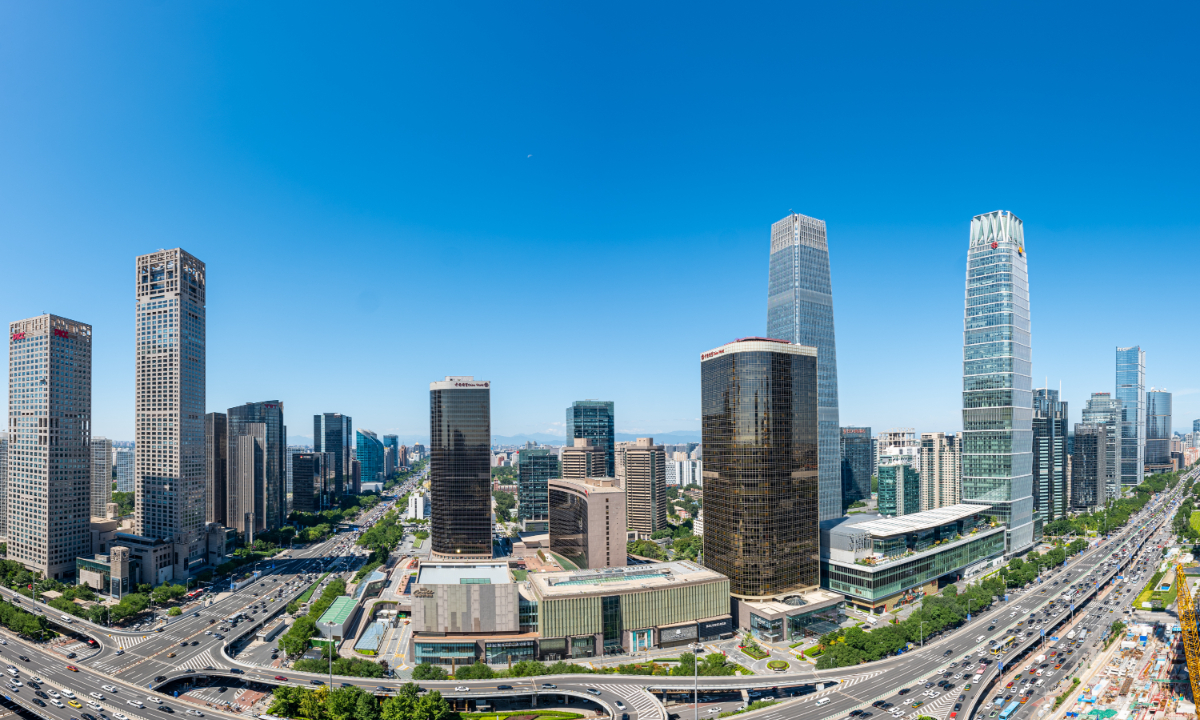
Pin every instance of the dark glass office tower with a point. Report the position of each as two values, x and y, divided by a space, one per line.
1131 391
997 455
1049 458
460 472
1158 430
274 492
800 310
538 466
369 452
334 433
309 473
759 425
593 420
856 465
216 459
1090 472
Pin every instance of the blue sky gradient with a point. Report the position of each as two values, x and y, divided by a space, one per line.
575 202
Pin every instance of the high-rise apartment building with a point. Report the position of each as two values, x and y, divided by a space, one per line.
123 468
1104 409
1090 466
896 446
940 463
1158 431
248 479
334 433
584 460
216 466
593 420
537 467
460 468
800 310
1049 458
169 491
4 485
997 386
899 490
368 450
270 502
1131 391
856 465
759 415
49 443
682 471
642 473
101 476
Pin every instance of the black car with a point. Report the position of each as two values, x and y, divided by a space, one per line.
195 642
222 689
237 671
855 713
40 694
87 716
948 653
957 707
160 678
345 684
183 643
877 703
39 703
991 627
316 682
164 708
504 687
904 691
23 658
928 685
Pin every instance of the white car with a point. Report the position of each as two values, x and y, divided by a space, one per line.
53 694
94 705
96 695
135 703
56 702
108 688
120 716
15 682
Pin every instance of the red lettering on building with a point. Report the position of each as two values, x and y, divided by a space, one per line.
18 336
61 333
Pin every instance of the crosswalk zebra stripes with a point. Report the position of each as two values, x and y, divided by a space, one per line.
644 704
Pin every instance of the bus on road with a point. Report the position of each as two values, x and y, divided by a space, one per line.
1008 711
1004 645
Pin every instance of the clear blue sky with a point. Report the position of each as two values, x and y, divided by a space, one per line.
575 201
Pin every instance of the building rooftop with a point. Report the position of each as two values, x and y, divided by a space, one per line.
338 612
616 579
371 638
462 573
879 526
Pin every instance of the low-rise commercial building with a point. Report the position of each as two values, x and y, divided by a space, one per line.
334 622
880 563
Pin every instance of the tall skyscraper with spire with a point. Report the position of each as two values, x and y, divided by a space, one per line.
997 456
800 310
169 492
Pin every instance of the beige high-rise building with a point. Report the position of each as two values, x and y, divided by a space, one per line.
101 476
169 470
587 521
246 481
582 460
642 472
941 470
50 434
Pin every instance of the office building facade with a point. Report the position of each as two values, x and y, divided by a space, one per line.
311 473
460 473
587 522
101 476
537 467
800 310
270 501
642 473
216 465
369 452
997 386
582 460
1104 409
1090 470
249 478
899 490
940 466
4 485
123 468
334 433
1131 391
761 488
391 460
593 420
169 492
856 465
1049 458
49 443
1158 431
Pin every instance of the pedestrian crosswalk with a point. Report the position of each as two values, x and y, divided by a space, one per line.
643 703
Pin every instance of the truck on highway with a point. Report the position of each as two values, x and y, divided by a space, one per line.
1071 635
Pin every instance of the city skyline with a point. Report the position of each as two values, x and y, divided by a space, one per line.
263 187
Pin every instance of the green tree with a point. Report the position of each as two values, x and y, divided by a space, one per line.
295 641
478 671
175 612
427 671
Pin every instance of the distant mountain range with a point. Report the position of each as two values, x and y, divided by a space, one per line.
667 438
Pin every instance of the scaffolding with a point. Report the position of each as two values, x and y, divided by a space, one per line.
1191 636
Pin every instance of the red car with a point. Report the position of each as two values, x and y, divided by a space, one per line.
72 668
280 678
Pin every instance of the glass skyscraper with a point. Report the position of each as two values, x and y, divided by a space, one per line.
460 468
1049 457
1131 391
538 466
1158 430
857 460
758 405
593 420
334 433
997 457
270 506
800 310
1103 410
368 450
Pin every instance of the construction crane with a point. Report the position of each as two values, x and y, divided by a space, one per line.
1191 636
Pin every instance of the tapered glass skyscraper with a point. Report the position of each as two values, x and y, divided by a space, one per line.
1131 391
997 453
800 310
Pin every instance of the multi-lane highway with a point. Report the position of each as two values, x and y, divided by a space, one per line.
132 661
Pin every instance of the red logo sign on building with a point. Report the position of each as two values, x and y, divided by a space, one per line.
61 333
18 336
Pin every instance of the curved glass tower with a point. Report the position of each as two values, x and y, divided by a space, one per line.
800 310
997 456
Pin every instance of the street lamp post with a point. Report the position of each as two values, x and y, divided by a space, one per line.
696 678
329 626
